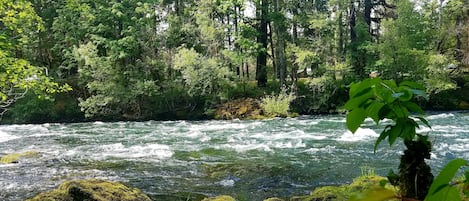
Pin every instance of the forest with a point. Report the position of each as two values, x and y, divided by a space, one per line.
77 60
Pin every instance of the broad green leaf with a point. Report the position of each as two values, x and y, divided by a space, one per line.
395 132
358 88
357 102
408 131
355 118
413 107
420 93
413 85
373 111
406 94
380 194
436 192
446 193
381 137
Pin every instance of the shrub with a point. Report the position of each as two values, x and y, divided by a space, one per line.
277 105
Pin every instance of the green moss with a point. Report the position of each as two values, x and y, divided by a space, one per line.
93 190
220 198
274 199
15 157
345 192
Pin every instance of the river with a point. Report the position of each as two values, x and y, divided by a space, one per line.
249 160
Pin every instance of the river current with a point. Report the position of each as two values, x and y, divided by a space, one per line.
249 160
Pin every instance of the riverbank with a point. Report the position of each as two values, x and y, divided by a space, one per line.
65 108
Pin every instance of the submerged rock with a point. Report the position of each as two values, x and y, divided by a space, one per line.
220 198
92 190
16 157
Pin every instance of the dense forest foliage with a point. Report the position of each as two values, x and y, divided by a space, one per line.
168 59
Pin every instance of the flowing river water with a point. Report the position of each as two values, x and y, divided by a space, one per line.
249 160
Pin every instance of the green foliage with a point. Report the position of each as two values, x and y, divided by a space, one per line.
17 75
277 105
380 99
201 75
442 188
438 78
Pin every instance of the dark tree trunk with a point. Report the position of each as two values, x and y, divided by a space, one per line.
415 175
261 64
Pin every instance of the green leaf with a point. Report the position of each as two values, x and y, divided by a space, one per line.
436 191
381 137
360 88
408 130
424 121
420 93
355 118
357 102
413 107
406 94
373 111
413 85
394 133
446 193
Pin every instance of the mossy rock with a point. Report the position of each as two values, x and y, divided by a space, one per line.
244 108
274 199
359 185
16 157
92 190
220 198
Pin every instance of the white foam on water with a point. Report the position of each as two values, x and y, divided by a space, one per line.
227 182
361 134
289 145
326 149
240 148
7 137
440 116
118 150
423 129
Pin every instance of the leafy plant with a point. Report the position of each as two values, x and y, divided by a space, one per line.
384 99
277 105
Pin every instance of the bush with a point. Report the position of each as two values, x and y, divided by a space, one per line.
277 105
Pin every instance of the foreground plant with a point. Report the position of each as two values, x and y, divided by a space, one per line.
384 99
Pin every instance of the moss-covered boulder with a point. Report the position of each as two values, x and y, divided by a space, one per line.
92 190
360 186
274 199
16 157
220 198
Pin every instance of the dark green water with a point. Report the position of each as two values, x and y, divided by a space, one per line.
250 160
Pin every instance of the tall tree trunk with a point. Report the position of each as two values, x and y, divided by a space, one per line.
280 45
273 54
294 70
261 64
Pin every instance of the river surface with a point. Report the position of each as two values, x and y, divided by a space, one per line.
174 160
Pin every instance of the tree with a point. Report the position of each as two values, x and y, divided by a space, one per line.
18 25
